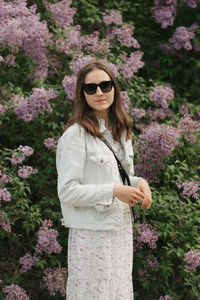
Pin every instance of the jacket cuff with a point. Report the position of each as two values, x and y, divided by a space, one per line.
134 180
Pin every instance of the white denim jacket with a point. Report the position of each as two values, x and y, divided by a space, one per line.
87 171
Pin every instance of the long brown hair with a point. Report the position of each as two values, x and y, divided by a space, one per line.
84 115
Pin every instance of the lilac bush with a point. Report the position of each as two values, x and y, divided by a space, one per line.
42 48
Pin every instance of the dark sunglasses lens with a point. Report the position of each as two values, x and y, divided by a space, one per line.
106 86
90 88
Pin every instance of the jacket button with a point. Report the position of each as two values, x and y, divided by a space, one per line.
101 160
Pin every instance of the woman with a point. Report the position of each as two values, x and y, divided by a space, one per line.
95 204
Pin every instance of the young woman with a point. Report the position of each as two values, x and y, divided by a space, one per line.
94 201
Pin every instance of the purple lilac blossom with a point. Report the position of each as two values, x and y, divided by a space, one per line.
191 3
132 64
144 234
27 261
69 84
164 12
17 158
10 60
91 43
192 260
181 39
161 94
20 26
55 280
14 292
166 297
61 12
71 42
188 127
4 221
47 239
4 195
26 171
154 143
37 103
161 113
1 59
190 188
77 63
112 17
50 143
125 100
124 35
5 178
138 113
3 109
27 151
184 109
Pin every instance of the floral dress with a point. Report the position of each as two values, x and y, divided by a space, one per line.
100 261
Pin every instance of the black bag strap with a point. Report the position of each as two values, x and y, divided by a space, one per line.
122 172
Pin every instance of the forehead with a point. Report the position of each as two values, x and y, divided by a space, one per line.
96 76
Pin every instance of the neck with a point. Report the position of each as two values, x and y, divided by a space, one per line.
103 115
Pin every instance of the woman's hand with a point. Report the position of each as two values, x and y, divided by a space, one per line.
144 188
128 194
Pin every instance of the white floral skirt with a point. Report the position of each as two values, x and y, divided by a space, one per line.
100 262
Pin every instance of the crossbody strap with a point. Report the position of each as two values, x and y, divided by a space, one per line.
122 172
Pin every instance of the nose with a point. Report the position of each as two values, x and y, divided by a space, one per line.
99 91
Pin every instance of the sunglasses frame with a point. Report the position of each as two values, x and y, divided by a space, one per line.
84 86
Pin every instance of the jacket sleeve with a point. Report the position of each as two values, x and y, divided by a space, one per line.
70 161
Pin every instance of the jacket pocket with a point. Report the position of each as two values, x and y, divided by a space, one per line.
99 158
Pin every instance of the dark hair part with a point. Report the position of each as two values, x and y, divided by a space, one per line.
84 115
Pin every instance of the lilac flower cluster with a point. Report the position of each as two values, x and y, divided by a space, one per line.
55 280
184 109
47 239
191 3
50 143
190 188
153 144
14 292
124 35
26 171
161 95
10 60
188 127
61 12
125 101
22 152
4 221
27 262
80 60
4 195
161 113
145 234
164 12
151 262
37 103
166 297
132 64
3 109
69 84
20 26
71 40
5 178
113 17
91 43
181 39
192 259
138 113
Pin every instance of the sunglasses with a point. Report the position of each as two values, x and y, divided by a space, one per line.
91 88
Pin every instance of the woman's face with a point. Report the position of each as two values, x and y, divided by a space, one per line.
100 101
